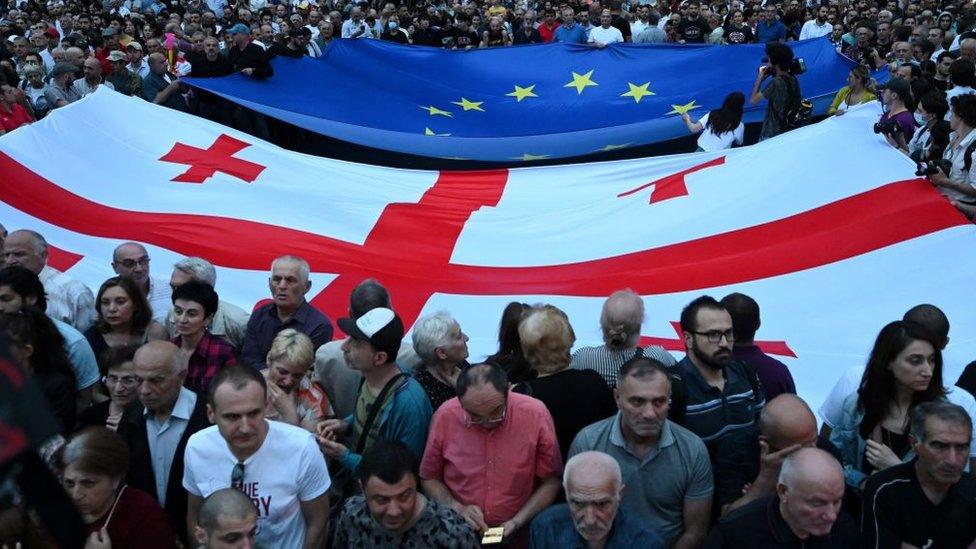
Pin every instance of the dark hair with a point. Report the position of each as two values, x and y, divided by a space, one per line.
946 411
366 296
97 450
940 139
113 357
780 55
962 72
932 318
509 355
32 327
24 283
141 312
653 18
389 461
745 316
927 47
943 55
477 374
727 117
690 313
964 106
878 384
238 376
934 102
198 292
640 367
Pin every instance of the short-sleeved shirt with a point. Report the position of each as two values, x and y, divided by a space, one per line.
15 118
571 35
286 470
264 325
607 362
55 93
496 469
655 487
738 35
774 376
312 404
438 527
896 510
693 32
80 354
770 33
761 524
777 93
708 141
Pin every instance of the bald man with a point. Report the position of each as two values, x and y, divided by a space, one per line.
804 512
620 322
967 49
592 516
68 300
92 78
161 86
785 425
158 426
131 259
228 520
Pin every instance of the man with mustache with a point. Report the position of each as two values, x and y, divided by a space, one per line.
721 398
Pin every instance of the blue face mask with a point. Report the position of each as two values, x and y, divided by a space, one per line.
393 25
919 118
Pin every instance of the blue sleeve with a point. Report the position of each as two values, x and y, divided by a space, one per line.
322 333
250 354
845 437
149 90
82 357
412 422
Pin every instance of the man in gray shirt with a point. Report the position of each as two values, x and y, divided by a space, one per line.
667 475
61 92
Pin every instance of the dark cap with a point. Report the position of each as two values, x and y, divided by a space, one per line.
109 31
63 67
899 86
381 327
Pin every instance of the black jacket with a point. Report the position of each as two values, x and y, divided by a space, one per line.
132 429
251 57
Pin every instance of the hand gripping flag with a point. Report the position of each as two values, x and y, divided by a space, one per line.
826 227
519 103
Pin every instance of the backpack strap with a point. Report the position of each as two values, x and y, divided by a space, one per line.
374 411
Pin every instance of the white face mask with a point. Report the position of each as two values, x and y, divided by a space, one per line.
920 118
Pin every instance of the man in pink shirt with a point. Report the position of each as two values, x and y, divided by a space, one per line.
492 455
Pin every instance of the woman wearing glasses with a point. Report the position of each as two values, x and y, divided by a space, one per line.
120 381
95 463
124 318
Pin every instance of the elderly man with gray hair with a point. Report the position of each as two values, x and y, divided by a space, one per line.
157 430
230 321
805 512
443 348
929 501
592 516
620 322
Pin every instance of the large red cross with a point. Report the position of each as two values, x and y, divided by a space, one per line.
219 157
410 247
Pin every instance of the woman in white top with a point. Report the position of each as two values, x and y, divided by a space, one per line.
722 127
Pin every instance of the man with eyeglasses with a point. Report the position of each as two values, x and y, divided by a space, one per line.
666 471
592 516
722 397
132 260
277 465
158 427
492 455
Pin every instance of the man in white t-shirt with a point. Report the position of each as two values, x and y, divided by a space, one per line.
278 466
936 321
605 34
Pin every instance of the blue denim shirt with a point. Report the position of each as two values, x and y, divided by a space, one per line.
554 528
846 436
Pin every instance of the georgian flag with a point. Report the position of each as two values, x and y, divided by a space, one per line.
827 227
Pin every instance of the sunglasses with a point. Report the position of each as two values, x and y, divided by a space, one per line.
237 476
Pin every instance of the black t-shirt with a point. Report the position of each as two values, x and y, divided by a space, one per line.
575 399
741 35
531 36
622 25
967 380
760 524
693 32
397 36
897 511
423 37
463 39
284 51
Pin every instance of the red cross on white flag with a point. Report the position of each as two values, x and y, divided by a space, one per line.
833 237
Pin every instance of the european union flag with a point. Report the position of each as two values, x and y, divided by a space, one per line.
516 103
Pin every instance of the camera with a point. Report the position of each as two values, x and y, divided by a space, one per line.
886 127
797 67
923 169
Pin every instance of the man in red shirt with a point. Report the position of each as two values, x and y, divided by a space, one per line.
549 25
12 114
492 455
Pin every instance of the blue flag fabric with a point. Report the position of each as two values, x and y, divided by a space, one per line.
516 103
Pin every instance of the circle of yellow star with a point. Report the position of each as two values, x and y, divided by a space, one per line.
434 111
521 93
683 109
469 105
638 92
581 81
428 131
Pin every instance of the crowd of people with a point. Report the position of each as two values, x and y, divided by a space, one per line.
183 420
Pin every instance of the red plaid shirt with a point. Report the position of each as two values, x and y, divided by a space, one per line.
212 353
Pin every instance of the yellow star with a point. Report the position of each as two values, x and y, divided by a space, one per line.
581 81
526 157
469 105
615 147
638 92
682 109
521 93
428 131
435 111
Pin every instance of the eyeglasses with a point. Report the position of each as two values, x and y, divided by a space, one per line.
487 422
237 476
714 336
124 380
130 263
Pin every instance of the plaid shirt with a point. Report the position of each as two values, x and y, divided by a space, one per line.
212 354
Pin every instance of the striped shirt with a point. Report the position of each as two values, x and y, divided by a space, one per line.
712 413
607 363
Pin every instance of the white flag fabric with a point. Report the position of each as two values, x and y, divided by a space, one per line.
827 227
